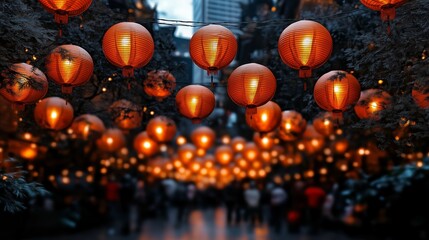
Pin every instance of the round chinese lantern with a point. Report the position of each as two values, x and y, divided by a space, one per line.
111 140
224 154
127 115
251 85
203 137
335 91
28 151
266 119
159 84
420 94
69 66
195 102
237 144
305 45
128 45
209 161
341 146
143 144
264 141
386 7
23 84
186 153
312 140
63 9
371 102
87 125
53 113
324 123
213 47
250 152
292 125
161 129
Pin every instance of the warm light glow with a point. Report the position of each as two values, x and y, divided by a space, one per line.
373 105
124 47
361 151
66 70
419 164
159 130
147 145
315 142
343 167
251 88
54 115
180 140
380 81
323 171
193 105
201 152
306 47
239 147
326 122
27 136
264 117
204 139
212 51
288 126
109 141
265 140
226 139
301 146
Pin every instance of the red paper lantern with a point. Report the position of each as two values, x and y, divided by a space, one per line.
237 144
127 115
53 113
305 45
87 125
371 102
63 9
386 7
224 154
112 140
250 152
161 129
128 45
23 84
159 84
312 140
266 119
251 85
195 102
69 66
324 123
292 125
203 137
265 141
143 144
335 91
186 153
213 47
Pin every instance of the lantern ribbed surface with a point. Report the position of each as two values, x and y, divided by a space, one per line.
213 47
65 8
386 7
203 137
305 45
266 119
292 125
324 123
126 114
161 129
112 140
69 66
87 125
159 84
251 85
53 113
128 45
336 90
420 94
145 145
195 102
371 102
224 154
22 74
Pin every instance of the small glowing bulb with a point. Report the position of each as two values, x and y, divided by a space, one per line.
34 58
109 140
288 126
265 140
337 89
147 145
326 122
104 89
239 147
264 117
315 142
373 105
159 130
380 82
27 136
152 113
204 139
109 79
54 115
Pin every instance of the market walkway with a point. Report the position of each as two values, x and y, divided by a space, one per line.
203 225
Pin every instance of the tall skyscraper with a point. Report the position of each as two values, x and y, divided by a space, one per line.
215 11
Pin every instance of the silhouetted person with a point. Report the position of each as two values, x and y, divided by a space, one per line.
231 196
277 203
112 199
252 197
181 202
315 198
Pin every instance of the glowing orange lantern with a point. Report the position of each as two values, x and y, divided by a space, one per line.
266 119
161 129
305 45
213 47
128 45
265 141
335 91
312 140
250 152
237 144
324 123
203 137
224 154
159 84
63 9
341 146
209 161
292 125
143 144
23 84
186 153
112 140
251 85
420 95
371 102
69 66
195 102
87 125
127 115
386 7
53 113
